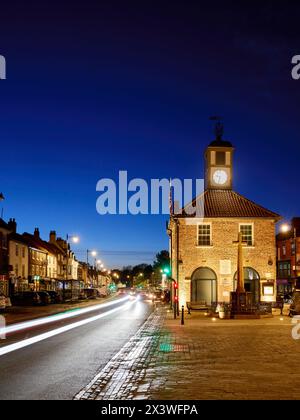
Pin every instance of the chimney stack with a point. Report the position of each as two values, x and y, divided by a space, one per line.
36 233
52 237
12 225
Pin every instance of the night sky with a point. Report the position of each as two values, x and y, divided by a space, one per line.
97 87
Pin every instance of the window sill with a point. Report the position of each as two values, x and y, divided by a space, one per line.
204 246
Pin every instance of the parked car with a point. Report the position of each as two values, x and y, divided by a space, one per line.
55 297
45 297
26 298
295 305
82 295
91 293
2 302
102 292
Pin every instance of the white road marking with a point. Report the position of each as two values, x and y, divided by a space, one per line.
28 342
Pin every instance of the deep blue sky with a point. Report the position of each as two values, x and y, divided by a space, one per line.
96 87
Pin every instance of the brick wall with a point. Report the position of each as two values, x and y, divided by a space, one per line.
224 232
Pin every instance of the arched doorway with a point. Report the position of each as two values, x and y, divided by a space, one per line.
204 285
252 284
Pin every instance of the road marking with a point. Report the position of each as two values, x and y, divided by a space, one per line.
58 317
28 342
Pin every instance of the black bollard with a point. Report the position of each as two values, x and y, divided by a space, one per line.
182 315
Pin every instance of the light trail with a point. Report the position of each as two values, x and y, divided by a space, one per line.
58 317
29 341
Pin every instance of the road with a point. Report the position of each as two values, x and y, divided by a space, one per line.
59 366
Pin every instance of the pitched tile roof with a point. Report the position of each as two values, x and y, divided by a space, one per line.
228 203
18 238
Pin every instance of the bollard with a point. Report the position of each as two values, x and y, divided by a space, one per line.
182 315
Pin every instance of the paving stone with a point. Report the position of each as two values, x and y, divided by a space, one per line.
227 359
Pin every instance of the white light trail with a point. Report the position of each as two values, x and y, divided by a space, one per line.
57 317
29 341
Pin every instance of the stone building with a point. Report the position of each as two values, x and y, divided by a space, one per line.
5 230
203 251
18 259
38 260
288 258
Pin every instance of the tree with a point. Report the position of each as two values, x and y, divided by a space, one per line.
162 260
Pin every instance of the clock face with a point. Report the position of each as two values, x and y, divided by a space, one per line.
220 177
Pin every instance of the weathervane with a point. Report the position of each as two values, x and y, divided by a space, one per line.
219 127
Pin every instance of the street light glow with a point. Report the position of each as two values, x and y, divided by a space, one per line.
94 253
75 239
285 228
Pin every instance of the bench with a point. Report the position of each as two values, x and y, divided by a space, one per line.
201 305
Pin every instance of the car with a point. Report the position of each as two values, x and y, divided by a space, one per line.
91 293
2 302
45 297
55 297
142 294
295 305
26 298
82 295
123 292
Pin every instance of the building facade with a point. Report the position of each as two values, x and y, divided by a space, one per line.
38 260
18 259
288 258
203 250
5 230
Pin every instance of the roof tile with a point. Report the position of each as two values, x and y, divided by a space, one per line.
228 203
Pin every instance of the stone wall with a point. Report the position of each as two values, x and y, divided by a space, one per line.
261 256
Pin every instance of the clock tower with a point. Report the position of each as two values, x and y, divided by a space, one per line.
219 162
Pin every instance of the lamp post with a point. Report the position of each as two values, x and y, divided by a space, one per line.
2 199
93 254
75 240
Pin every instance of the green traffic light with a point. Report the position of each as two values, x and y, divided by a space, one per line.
166 270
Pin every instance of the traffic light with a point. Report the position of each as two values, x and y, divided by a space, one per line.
166 270
175 285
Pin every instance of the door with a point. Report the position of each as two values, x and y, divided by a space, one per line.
204 285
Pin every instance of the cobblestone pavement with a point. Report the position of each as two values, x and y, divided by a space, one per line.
123 377
229 359
203 359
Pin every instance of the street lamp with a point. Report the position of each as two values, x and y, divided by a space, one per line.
75 240
285 228
2 199
93 254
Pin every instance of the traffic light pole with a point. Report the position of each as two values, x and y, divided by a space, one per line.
175 302
174 298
